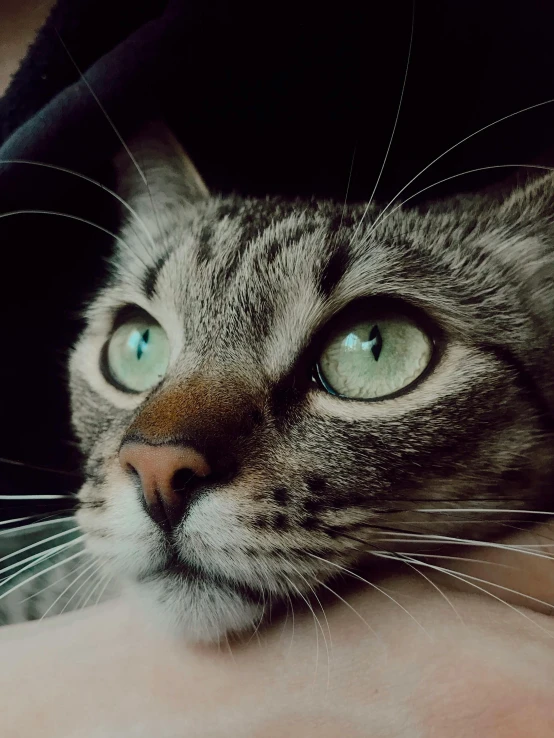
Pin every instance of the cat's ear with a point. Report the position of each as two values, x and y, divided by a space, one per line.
526 250
154 164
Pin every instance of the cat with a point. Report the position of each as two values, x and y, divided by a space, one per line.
269 393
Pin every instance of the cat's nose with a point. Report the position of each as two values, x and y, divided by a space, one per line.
168 476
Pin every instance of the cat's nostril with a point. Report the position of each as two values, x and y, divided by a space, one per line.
183 479
130 469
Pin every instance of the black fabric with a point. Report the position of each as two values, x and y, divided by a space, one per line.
267 98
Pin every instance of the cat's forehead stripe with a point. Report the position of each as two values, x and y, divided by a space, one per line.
151 275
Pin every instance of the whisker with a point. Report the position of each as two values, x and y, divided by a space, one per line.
439 590
114 129
374 586
100 581
520 548
482 509
16 520
316 623
289 563
384 215
34 497
345 602
348 186
260 619
88 567
432 538
293 623
465 558
53 584
425 555
33 557
550 605
463 140
123 202
48 555
69 217
394 126
95 566
24 464
99 598
29 526
327 645
39 543
448 572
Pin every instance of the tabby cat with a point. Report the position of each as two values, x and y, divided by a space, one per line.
269 393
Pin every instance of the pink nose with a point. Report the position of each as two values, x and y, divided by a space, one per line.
168 474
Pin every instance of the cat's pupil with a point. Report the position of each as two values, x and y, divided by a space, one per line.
143 343
375 342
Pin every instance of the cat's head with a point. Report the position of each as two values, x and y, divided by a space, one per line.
266 391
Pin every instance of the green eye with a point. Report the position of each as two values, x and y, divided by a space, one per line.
374 357
137 354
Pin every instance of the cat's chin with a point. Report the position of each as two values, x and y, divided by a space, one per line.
200 612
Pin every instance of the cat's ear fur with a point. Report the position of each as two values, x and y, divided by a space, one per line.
154 165
527 250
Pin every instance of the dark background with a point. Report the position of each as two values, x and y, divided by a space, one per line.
267 98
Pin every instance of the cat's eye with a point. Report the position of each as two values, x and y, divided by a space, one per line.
374 354
137 354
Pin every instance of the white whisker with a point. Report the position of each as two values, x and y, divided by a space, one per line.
94 589
465 558
328 646
94 573
290 602
432 538
34 497
316 623
463 140
337 595
73 581
374 586
99 598
123 202
103 110
482 509
289 563
24 464
29 526
39 543
394 125
33 557
260 619
114 129
430 581
51 553
53 584
347 187
79 220
384 215
16 520
448 572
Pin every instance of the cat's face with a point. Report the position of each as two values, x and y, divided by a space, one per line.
265 389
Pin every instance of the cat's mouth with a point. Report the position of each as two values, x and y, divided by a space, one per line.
191 574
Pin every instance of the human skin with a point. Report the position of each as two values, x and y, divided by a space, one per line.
470 666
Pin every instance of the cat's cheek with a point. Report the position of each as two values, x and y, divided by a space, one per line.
118 530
